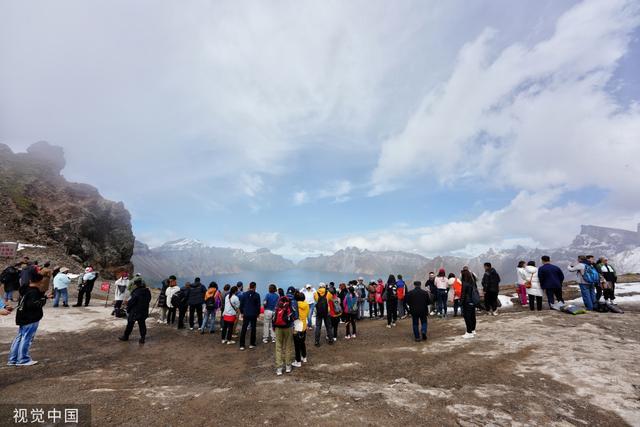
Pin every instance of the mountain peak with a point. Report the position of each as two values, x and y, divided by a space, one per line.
183 243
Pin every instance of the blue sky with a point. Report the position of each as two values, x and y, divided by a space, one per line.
305 127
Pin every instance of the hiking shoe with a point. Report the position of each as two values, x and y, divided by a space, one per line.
347 337
123 338
317 343
389 326
424 337
335 339
191 329
304 360
467 335
252 346
288 369
393 324
56 306
29 363
264 341
353 337
141 340
273 340
65 305
241 348
11 363
474 333
418 340
279 371
224 341
296 364
230 342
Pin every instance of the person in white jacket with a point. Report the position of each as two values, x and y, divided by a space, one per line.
120 292
534 291
309 293
521 279
170 292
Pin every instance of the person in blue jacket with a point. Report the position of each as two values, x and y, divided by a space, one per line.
551 278
250 310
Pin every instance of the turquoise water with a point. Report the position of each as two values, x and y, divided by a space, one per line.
282 279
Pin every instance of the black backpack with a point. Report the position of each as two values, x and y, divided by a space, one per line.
179 299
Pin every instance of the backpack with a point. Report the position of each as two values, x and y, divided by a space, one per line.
590 275
475 296
210 303
178 299
352 304
321 304
337 305
283 313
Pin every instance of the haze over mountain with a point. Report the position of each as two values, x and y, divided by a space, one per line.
188 258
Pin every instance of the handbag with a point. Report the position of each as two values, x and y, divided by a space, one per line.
528 284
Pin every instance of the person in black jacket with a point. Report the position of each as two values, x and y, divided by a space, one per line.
138 309
250 309
28 315
183 296
418 301
195 301
490 287
468 305
391 294
162 301
10 278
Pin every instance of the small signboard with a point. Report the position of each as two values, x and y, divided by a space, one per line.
8 249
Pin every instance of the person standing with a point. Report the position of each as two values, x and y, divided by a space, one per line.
442 284
418 301
322 299
138 310
121 286
391 296
10 279
28 315
183 303
250 309
371 298
300 330
284 317
211 305
308 293
61 287
455 288
470 297
610 278
534 291
430 286
350 308
162 301
269 303
588 278
361 292
521 280
230 315
379 299
491 288
551 278
195 301
170 292
402 289
88 280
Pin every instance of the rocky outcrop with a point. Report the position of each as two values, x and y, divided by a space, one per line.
41 207
354 260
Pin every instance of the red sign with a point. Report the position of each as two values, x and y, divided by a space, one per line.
8 250
104 287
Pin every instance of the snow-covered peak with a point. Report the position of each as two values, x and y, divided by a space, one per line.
182 244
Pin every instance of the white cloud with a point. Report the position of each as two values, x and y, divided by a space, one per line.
300 198
527 117
271 240
337 192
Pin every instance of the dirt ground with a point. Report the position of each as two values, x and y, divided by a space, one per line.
545 368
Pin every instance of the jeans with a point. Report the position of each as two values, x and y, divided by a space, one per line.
392 311
469 314
142 326
423 323
21 344
249 320
310 316
8 295
588 293
553 294
299 345
442 302
210 319
64 293
373 309
401 308
196 308
361 309
267 326
320 318
284 347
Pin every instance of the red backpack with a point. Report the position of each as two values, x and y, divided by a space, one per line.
282 315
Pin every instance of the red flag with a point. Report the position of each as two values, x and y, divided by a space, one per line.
104 287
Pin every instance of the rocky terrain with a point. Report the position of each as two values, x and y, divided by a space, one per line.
189 258
73 222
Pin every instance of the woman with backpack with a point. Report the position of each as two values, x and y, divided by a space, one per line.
230 315
211 305
335 312
300 330
391 296
350 308
171 307
470 298
283 319
371 298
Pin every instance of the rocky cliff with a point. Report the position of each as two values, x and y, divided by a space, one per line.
39 206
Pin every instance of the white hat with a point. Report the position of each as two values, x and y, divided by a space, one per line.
308 286
322 285
361 278
64 270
